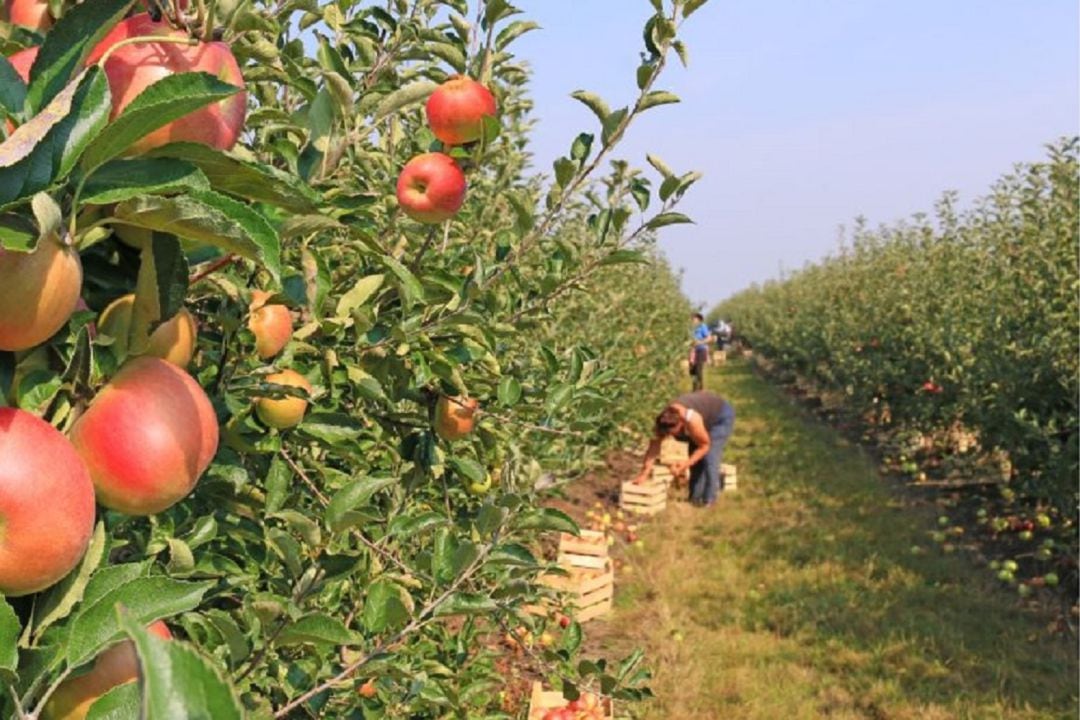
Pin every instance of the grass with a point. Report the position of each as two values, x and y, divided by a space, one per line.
799 595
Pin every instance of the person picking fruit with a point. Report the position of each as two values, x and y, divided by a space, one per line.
706 421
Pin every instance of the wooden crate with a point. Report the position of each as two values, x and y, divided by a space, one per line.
719 357
588 550
662 474
543 700
731 481
590 589
648 498
673 451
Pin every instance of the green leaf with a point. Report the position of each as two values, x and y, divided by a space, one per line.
277 485
547 519
513 31
68 44
244 178
354 495
120 703
452 54
331 428
667 218
411 289
111 577
657 97
403 97
58 602
594 102
12 88
383 607
162 284
44 149
148 599
176 682
461 603
509 391
169 99
10 629
315 629
359 294
414 526
579 150
565 168
682 51
210 218
659 165
613 126
121 180
468 468
18 233
692 6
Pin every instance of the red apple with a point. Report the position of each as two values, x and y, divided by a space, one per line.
117 665
271 324
454 417
431 188
33 14
457 108
46 504
287 411
172 340
22 61
147 437
131 68
38 292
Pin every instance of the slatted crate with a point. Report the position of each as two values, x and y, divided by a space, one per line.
719 357
673 451
588 550
731 481
648 498
543 700
590 589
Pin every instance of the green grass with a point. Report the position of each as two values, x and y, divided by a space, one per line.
799 595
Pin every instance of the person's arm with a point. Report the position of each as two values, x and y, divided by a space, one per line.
699 438
650 459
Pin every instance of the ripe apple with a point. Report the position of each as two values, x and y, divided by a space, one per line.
287 411
38 292
564 621
271 324
33 14
131 68
457 108
173 340
368 689
21 62
46 504
431 188
117 665
560 714
147 437
454 417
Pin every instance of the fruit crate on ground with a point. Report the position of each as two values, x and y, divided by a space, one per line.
731 481
648 498
662 474
673 451
590 589
719 357
544 701
588 550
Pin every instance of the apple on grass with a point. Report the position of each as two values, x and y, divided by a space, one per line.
115 666
288 411
46 504
147 437
457 108
431 188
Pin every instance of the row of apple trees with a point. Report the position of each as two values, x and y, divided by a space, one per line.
958 332
350 565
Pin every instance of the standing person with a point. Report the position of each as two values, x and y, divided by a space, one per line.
706 421
699 350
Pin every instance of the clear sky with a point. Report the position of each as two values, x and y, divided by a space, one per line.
803 115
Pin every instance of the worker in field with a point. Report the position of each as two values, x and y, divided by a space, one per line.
699 350
705 420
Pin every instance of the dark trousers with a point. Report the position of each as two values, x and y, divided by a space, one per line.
697 368
705 479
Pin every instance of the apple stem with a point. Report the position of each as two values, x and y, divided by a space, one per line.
146 39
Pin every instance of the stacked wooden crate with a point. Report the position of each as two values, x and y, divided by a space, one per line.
648 498
590 579
731 481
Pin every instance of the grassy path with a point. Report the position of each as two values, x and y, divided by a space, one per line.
800 597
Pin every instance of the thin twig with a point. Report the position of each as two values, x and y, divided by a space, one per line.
213 267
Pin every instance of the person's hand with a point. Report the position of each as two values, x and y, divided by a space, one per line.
679 469
640 479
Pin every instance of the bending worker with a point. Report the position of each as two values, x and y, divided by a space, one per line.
706 421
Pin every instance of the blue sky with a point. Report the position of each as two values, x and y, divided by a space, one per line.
803 115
